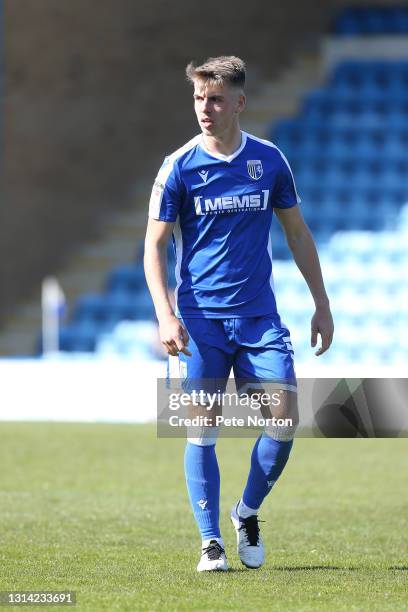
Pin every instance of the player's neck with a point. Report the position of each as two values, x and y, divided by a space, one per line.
225 144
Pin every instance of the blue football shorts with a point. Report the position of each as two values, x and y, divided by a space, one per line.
258 349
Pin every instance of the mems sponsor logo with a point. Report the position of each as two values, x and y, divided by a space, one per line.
228 204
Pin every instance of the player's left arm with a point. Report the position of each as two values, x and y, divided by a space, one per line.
304 252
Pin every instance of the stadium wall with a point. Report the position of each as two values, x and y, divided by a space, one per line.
128 392
95 96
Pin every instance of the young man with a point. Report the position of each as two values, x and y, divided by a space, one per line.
216 195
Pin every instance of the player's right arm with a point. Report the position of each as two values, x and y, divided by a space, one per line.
173 334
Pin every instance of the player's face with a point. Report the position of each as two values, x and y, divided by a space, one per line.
217 107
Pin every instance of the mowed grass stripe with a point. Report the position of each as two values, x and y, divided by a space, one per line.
102 510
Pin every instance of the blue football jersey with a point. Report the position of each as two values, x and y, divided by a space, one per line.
222 207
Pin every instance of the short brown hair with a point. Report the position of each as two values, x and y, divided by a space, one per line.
226 69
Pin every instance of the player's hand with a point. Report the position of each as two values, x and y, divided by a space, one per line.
174 336
322 323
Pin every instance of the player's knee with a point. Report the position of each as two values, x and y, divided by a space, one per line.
203 429
202 436
282 430
285 418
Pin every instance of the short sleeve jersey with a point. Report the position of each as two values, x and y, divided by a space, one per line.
222 207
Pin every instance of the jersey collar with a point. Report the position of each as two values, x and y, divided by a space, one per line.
220 156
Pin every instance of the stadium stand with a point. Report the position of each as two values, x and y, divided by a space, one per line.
348 149
100 322
366 278
366 21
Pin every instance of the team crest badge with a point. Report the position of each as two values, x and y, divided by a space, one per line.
255 169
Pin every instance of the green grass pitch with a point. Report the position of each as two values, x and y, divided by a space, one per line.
102 510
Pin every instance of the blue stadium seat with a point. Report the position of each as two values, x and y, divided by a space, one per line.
369 21
324 105
78 338
107 309
129 278
91 307
135 339
129 307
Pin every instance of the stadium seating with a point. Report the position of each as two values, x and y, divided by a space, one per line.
78 338
126 278
365 21
366 277
348 148
135 339
100 322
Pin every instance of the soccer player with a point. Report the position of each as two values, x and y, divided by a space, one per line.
216 196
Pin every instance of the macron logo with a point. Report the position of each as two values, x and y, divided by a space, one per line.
203 174
250 202
202 503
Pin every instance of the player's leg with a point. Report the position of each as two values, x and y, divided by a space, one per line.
271 451
266 355
203 485
206 370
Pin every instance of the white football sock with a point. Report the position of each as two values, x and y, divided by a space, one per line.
206 543
245 511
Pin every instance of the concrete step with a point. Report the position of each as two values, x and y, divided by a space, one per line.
282 98
119 242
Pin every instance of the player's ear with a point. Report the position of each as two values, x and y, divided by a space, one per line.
241 103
